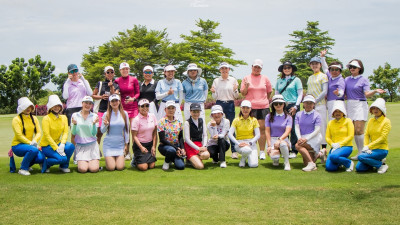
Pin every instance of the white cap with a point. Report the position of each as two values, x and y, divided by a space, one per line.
143 101
123 65
278 98
108 68
193 66
309 98
246 103
354 63
169 68
170 103
87 99
113 97
23 103
380 104
53 101
224 64
339 105
258 62
217 109
148 68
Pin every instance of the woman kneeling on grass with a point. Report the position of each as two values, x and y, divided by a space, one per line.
196 138
55 133
27 134
144 136
339 135
278 125
218 143
375 140
170 133
116 124
307 127
247 131
84 127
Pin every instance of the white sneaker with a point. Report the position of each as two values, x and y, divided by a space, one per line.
223 164
354 158
24 172
65 170
30 169
128 157
275 162
381 169
287 166
310 167
234 155
262 155
292 155
242 162
351 167
165 166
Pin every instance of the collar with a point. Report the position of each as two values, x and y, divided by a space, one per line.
241 118
380 119
334 78
356 77
90 114
170 121
53 117
339 121
281 114
143 117
172 81
220 77
309 113
317 73
151 82
288 77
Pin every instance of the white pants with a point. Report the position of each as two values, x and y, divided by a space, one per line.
178 112
321 109
249 152
186 111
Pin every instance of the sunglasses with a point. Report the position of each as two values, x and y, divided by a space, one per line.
287 68
353 67
146 105
334 69
278 103
110 72
148 72
73 71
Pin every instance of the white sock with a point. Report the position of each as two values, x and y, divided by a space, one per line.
274 157
359 139
285 152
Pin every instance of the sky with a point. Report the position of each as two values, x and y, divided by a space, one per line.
62 31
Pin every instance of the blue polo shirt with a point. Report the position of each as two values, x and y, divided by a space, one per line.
195 92
290 94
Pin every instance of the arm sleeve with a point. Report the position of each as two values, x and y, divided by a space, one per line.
65 88
232 130
325 67
315 132
161 135
64 137
323 93
161 96
186 130
104 127
215 94
38 134
328 134
94 128
87 86
350 133
297 130
204 142
180 96
136 89
180 138
383 137
126 132
299 96
17 128
256 135
225 129
341 93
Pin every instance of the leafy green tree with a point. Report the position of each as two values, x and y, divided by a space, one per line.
138 47
204 48
24 79
386 78
306 44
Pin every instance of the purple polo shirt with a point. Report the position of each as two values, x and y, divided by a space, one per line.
333 84
307 122
279 125
356 88
76 91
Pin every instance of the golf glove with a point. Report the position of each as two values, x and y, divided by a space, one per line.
335 145
367 150
60 149
34 143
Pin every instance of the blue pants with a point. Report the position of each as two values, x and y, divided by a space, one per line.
229 110
338 157
293 136
170 155
30 153
54 158
368 161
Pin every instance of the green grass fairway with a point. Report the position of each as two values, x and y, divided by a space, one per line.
263 195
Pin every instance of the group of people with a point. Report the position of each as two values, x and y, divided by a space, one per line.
128 111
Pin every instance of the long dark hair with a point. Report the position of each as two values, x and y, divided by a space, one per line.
23 125
273 111
121 111
251 114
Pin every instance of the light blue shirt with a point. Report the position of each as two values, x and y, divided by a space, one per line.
195 92
291 92
84 130
163 86
114 142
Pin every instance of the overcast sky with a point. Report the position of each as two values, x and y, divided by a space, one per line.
62 31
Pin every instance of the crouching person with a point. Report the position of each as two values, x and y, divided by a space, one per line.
218 128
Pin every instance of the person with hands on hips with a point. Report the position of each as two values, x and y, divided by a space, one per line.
55 133
84 127
144 135
307 128
196 137
27 134
116 126
247 130
278 124
218 142
339 135
170 132
375 140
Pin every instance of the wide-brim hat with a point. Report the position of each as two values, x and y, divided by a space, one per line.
339 105
193 66
217 109
53 101
287 63
379 103
24 103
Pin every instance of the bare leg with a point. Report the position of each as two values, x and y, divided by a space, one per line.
196 162
263 137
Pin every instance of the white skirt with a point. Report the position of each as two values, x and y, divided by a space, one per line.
314 142
357 110
178 112
275 139
87 152
186 111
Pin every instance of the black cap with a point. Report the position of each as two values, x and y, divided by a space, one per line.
287 63
195 106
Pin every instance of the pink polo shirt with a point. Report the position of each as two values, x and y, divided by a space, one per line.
257 93
145 127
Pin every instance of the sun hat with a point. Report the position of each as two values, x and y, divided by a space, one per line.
309 98
380 104
258 62
114 97
193 66
108 68
195 107
143 101
123 65
148 68
87 99
169 68
24 103
315 59
287 63
72 67
245 103
217 109
53 101
224 64
339 105
278 98
353 63
170 103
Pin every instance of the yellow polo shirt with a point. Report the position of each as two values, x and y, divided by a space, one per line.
245 127
376 133
340 131
55 130
19 136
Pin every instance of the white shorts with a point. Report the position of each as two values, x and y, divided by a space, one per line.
186 111
314 142
178 112
357 110
87 152
274 139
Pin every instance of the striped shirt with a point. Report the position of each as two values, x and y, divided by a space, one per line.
315 83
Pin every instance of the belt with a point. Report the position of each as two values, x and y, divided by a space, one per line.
170 100
219 101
